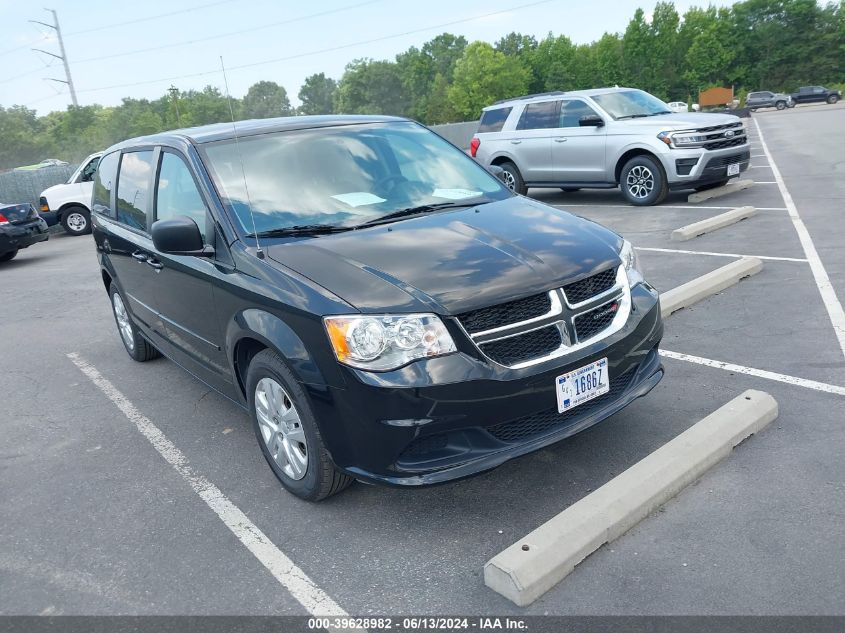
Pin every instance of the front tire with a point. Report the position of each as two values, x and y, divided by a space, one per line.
832 99
8 256
76 221
138 348
643 181
513 179
287 431
781 105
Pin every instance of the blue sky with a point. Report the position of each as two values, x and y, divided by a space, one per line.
122 44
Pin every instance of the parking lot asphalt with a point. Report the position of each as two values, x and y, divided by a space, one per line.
96 522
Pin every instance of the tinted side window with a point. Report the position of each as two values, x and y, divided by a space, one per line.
176 192
104 183
537 116
493 120
572 111
133 188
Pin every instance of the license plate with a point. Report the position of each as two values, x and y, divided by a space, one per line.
582 385
733 169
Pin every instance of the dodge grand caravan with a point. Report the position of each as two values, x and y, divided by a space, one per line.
381 305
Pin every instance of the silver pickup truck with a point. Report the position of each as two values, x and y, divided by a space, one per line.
607 138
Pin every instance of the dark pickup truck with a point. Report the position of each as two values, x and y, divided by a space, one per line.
816 94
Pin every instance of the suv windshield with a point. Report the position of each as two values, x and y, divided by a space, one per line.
629 104
344 176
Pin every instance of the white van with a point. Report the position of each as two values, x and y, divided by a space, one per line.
69 203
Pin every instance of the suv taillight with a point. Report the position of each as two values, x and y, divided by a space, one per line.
3 220
473 146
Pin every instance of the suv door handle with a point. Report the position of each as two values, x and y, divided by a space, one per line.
155 263
515 142
141 257
561 140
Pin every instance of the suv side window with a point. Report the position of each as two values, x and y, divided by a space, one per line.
538 116
572 111
133 188
177 193
104 183
494 120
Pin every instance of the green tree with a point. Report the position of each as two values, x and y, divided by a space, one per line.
482 76
371 87
317 94
264 100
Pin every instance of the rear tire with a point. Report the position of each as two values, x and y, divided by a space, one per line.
832 99
513 179
287 431
138 348
8 256
76 221
643 181
712 185
781 105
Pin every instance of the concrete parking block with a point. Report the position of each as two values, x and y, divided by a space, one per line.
711 224
731 187
694 291
534 564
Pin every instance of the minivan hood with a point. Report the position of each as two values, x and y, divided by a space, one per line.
682 120
453 261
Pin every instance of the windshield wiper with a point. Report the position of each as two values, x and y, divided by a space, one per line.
423 208
302 229
661 112
632 116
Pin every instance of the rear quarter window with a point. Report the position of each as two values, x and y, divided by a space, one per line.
104 183
493 120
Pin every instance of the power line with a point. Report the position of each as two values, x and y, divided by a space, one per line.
229 34
197 7
320 51
63 56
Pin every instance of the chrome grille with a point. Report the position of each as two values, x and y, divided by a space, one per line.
722 136
506 313
580 291
588 324
517 349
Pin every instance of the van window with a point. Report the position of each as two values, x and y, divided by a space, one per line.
104 183
87 173
177 194
493 120
133 188
537 116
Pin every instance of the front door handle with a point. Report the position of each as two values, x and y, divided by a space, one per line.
561 140
141 257
515 142
155 263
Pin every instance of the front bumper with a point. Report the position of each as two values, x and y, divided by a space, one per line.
688 169
50 217
455 416
16 236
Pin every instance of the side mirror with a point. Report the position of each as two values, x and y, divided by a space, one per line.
498 172
179 236
591 120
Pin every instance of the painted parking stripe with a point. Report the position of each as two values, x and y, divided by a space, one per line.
831 301
291 577
562 205
732 255
758 373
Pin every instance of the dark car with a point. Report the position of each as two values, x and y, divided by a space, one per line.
816 94
382 306
20 227
766 99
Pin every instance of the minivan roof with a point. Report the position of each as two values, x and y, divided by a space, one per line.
551 96
223 131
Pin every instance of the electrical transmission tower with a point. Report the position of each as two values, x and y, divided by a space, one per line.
63 56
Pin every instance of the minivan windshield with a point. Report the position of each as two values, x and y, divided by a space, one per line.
344 176
631 104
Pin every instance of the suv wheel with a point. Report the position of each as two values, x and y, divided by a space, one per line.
832 99
287 431
138 348
513 179
8 255
643 181
781 105
76 221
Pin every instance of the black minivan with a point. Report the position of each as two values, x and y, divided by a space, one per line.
383 307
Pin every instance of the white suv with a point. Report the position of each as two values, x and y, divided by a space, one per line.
607 138
69 203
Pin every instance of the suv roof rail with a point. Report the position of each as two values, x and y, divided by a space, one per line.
538 94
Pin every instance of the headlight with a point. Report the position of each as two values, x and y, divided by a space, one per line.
387 341
681 139
631 263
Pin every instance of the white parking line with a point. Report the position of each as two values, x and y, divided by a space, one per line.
759 373
831 301
761 166
732 255
765 182
662 206
291 577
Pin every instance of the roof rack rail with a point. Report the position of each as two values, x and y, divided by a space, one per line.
538 94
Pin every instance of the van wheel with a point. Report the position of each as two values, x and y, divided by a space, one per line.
8 256
138 348
781 105
643 181
513 179
287 431
76 221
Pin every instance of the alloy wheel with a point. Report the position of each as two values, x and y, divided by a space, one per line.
510 181
123 323
281 428
640 181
